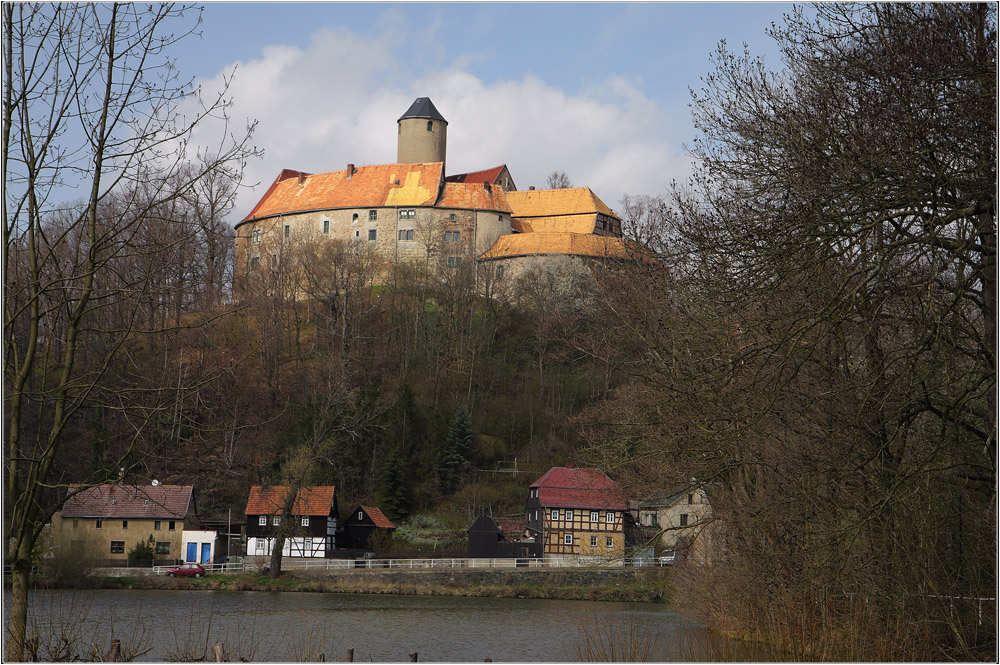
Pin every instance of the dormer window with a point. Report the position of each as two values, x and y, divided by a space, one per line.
114 501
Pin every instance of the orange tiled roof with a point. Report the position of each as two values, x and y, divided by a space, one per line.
129 501
582 223
552 202
489 175
268 500
473 195
577 244
367 186
378 518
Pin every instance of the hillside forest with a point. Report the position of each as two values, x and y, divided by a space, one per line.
814 340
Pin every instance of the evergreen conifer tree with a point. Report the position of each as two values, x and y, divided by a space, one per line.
453 459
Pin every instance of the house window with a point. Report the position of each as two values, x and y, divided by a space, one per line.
451 217
156 525
162 547
499 272
308 546
454 261
609 541
254 262
124 524
361 514
555 515
372 215
371 235
260 546
277 520
305 521
430 125
407 214
593 541
406 234
170 525
690 498
145 502
610 518
255 236
452 236
568 539
76 522
594 516
118 547
99 523
326 224
354 218
684 519
274 260
114 501
569 515
262 520
288 230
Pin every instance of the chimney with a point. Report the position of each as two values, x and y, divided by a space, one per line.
302 179
531 188
350 171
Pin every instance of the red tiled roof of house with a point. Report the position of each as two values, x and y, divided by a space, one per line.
268 500
474 196
129 501
378 518
364 187
489 175
563 487
511 524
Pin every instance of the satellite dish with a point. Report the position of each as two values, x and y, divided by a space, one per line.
155 483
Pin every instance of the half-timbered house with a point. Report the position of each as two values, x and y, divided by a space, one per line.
577 513
313 518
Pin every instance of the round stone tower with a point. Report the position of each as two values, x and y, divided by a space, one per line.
423 134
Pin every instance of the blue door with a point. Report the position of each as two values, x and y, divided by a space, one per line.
206 553
192 552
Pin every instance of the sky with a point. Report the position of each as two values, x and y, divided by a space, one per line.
599 91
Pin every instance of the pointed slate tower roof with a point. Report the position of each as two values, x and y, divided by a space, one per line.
423 107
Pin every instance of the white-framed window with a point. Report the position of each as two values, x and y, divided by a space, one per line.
308 546
555 514
454 261
609 541
594 517
277 520
262 520
407 214
260 546
255 235
568 539
406 234
593 541
372 234
536 515
326 224
305 520
145 502
610 518
452 236
569 515
361 514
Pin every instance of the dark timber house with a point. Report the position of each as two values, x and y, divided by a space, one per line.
487 541
361 524
313 518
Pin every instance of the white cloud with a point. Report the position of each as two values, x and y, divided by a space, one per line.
337 100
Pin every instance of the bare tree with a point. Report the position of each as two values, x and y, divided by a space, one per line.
559 180
90 101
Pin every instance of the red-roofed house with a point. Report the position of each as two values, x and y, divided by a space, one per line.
577 512
362 523
314 520
106 521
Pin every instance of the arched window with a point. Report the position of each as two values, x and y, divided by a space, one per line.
430 125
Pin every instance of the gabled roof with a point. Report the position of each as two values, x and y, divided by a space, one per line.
378 518
423 107
554 202
673 496
563 487
269 499
476 196
129 502
575 244
489 175
484 524
362 187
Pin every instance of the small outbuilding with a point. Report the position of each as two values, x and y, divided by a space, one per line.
362 523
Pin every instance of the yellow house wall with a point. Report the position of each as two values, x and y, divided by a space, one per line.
96 543
582 527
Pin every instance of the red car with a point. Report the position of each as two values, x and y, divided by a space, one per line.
187 570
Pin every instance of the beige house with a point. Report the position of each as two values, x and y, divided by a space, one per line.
680 519
106 521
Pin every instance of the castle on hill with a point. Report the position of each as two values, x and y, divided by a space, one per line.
414 211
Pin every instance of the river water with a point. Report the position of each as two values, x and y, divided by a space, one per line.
272 626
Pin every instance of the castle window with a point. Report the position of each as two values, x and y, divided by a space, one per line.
454 261
371 235
354 217
499 276
254 262
451 217
407 214
430 126
406 234
255 235
288 230
452 236
326 224
274 260
372 215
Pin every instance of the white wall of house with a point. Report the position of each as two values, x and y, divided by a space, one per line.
204 546
294 547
